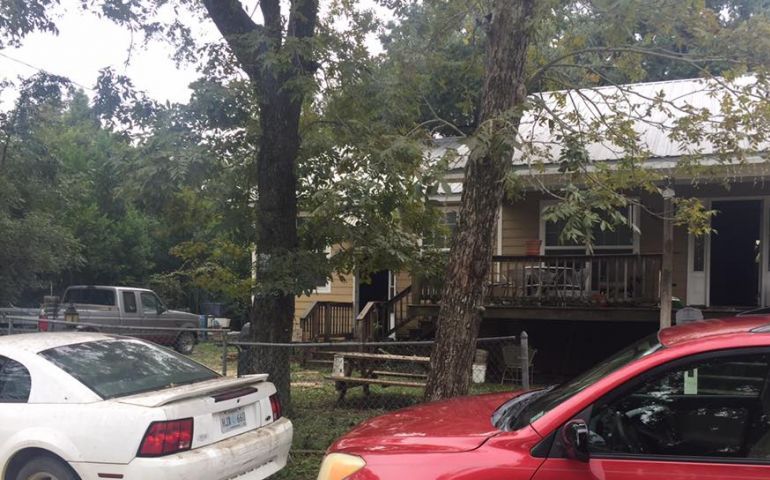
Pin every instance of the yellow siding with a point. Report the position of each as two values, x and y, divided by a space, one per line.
521 222
341 291
403 280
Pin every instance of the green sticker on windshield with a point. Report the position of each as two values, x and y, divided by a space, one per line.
691 382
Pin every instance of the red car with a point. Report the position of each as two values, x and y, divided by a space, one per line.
691 402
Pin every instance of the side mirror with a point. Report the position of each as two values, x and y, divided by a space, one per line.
161 309
574 436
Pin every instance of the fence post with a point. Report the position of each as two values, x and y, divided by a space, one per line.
224 354
524 339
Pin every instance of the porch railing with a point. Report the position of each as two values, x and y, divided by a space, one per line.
600 280
327 320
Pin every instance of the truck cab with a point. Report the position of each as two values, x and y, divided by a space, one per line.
130 311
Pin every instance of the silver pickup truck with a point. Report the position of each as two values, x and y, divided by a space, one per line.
136 312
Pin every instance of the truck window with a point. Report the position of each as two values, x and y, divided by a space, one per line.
129 302
150 302
90 296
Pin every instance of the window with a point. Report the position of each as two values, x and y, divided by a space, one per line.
443 240
324 284
15 382
129 302
618 241
150 303
126 367
699 253
90 296
714 407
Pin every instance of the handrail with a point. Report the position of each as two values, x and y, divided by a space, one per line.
366 321
367 308
399 306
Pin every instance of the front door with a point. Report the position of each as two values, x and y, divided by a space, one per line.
735 253
376 289
704 418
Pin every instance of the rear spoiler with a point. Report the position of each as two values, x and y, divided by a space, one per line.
164 397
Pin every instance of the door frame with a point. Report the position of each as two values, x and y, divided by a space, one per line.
695 280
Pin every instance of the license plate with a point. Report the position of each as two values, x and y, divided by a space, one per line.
232 419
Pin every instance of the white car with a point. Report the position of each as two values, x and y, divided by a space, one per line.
82 406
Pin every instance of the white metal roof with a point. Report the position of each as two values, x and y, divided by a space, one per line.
652 122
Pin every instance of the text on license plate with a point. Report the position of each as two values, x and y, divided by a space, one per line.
232 419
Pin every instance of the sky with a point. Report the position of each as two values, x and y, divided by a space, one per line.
86 44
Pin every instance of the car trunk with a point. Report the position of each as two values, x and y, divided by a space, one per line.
220 408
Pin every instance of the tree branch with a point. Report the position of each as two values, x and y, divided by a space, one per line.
302 23
239 30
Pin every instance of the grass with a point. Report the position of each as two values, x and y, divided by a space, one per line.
210 354
317 418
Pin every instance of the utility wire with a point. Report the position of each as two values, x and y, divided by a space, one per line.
42 70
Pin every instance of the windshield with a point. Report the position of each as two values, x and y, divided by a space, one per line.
544 403
118 368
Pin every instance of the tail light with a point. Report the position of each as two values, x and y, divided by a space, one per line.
42 322
165 438
275 404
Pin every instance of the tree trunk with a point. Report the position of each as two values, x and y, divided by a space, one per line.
471 254
272 314
276 76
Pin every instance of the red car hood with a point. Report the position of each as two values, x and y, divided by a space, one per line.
455 425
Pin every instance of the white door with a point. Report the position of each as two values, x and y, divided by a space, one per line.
697 268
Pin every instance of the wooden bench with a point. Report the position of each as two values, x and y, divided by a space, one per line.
386 373
375 381
345 363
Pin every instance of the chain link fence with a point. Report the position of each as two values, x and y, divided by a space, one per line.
335 386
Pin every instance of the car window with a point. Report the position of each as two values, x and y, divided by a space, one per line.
117 368
90 296
129 302
15 382
150 302
715 407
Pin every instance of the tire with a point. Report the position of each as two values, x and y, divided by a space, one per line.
185 343
45 468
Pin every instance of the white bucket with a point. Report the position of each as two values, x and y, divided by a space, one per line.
479 373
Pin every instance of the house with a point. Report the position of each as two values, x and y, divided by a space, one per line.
537 282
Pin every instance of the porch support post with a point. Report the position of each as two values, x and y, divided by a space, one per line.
666 275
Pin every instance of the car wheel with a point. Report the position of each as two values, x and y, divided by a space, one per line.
185 343
45 468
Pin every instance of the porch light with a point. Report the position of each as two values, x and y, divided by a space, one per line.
668 193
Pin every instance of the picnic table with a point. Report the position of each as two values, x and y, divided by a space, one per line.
347 363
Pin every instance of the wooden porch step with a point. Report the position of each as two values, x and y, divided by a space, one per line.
374 381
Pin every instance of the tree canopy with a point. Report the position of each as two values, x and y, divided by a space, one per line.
293 116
